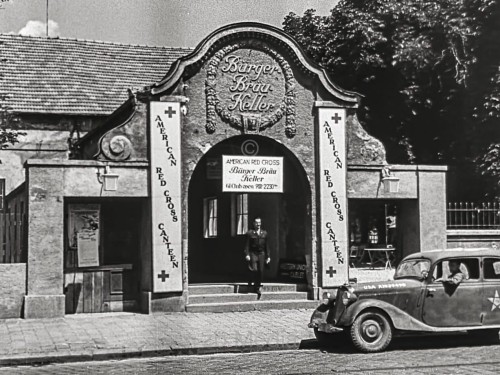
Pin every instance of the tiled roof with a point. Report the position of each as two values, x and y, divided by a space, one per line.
69 76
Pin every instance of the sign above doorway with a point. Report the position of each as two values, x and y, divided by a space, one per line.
252 174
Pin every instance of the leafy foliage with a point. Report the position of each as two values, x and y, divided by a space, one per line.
428 71
8 122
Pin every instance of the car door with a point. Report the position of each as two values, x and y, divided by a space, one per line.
447 305
491 286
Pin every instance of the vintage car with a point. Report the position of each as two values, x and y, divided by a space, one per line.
424 297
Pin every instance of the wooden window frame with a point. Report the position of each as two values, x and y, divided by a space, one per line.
239 210
210 217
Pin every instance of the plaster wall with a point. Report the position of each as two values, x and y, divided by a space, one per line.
422 195
12 289
432 210
471 238
365 182
48 183
46 137
36 144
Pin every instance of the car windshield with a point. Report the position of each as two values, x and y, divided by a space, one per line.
413 268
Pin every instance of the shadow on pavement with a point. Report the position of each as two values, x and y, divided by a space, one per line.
477 338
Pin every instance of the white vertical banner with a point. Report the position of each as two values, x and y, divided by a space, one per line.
333 196
165 182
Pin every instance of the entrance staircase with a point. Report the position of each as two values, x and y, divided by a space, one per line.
241 297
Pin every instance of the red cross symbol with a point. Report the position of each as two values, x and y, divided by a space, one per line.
170 111
331 271
336 118
163 276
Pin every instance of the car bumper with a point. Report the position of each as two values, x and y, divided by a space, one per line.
325 327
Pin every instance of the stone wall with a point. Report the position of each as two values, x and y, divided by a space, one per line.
12 289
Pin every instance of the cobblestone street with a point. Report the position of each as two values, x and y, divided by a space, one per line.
443 355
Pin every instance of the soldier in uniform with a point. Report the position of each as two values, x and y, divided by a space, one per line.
456 276
257 253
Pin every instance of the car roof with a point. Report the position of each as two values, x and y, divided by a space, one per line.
435 255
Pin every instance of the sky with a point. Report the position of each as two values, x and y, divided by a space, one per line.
175 23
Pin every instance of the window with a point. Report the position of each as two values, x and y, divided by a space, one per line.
239 214
468 266
413 268
492 268
210 217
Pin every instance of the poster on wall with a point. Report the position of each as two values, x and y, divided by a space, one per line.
333 197
84 233
165 182
252 174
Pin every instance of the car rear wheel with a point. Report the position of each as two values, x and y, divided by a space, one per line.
371 332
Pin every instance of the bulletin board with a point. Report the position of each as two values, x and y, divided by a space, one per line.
83 233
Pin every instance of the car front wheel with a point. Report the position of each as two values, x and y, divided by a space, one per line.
371 332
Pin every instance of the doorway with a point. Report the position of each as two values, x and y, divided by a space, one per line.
218 221
102 254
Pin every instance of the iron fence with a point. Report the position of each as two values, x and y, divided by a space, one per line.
468 215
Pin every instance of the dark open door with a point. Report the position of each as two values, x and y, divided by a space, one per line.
216 249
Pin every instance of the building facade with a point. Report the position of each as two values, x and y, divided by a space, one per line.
159 195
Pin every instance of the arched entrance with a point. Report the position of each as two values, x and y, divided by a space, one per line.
218 220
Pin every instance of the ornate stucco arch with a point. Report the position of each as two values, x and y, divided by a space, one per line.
257 31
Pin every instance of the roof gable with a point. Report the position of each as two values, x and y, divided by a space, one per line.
256 32
81 77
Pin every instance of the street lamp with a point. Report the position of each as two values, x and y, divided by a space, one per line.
108 179
391 182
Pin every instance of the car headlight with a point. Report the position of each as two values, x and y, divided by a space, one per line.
348 297
326 298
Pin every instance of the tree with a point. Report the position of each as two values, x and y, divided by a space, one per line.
421 67
8 123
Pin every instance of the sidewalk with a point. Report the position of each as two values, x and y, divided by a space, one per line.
117 335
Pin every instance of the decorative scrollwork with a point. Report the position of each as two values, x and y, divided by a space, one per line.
118 148
286 107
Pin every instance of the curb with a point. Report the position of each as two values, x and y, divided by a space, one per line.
122 354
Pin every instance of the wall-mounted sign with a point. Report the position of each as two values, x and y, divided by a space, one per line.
252 174
251 87
213 168
292 271
333 197
83 233
165 182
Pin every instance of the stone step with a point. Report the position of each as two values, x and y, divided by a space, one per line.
200 289
243 297
251 306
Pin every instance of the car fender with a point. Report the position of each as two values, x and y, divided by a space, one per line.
320 314
400 319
